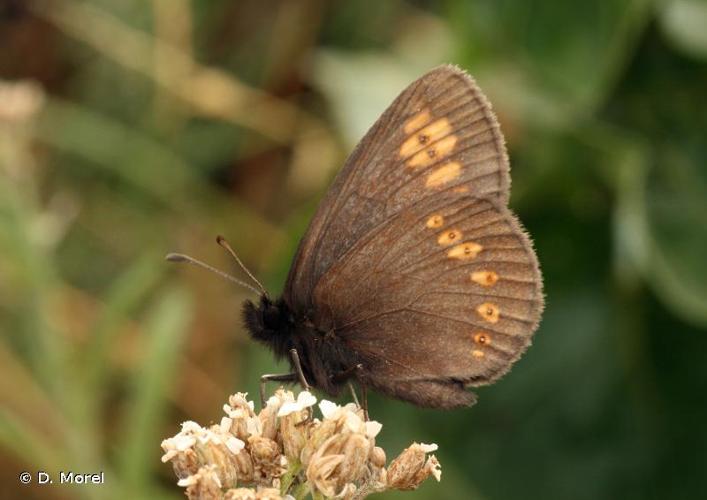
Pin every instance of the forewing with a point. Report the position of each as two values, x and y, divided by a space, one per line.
439 137
448 289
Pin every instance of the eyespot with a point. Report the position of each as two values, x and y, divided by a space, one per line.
484 278
424 146
465 251
482 338
489 312
449 237
435 221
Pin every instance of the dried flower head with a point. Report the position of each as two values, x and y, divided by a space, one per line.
413 466
240 411
255 494
284 451
294 418
269 462
204 485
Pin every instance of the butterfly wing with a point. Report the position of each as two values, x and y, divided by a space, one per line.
443 295
438 137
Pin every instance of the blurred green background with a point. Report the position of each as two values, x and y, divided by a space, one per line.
136 127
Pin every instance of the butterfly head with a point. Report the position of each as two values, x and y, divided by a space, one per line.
269 322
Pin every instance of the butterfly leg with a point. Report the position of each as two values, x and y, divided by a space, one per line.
348 374
302 380
364 400
274 377
353 394
298 370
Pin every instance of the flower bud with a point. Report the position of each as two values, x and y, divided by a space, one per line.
239 410
319 433
356 451
244 466
268 462
339 462
267 419
268 494
253 494
412 467
195 446
239 494
377 457
321 472
204 485
184 459
294 428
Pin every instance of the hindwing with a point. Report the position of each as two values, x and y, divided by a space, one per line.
448 290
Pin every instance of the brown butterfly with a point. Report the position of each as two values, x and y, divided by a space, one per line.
413 278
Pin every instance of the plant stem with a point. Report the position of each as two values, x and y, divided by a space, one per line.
289 478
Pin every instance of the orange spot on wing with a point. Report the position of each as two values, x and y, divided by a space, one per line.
417 122
482 338
433 152
477 353
444 174
484 278
435 221
449 237
425 136
465 251
489 312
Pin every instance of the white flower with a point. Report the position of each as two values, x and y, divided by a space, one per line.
225 424
234 445
249 454
183 441
373 428
353 422
190 426
328 408
305 399
234 413
254 426
187 481
428 448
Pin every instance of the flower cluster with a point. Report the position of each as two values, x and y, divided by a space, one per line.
284 452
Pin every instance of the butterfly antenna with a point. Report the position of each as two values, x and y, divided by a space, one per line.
224 244
179 257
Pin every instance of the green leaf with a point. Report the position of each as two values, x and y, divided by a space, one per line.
677 223
125 295
165 333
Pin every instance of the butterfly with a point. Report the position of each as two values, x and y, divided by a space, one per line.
413 278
